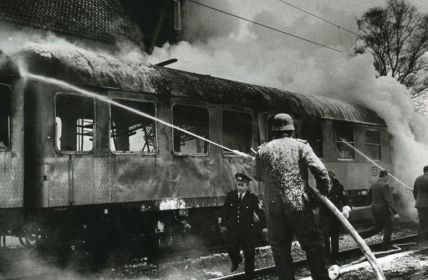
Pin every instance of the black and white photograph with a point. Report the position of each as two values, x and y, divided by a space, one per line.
213 139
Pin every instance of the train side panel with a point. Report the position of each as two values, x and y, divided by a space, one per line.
11 146
163 179
352 169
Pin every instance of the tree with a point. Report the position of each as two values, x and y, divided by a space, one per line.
397 36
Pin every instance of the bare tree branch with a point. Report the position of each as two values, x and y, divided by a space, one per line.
397 36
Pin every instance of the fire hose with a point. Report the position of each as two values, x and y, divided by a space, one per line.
360 241
364 248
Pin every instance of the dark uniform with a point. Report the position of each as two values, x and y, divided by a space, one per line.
240 214
382 206
282 165
330 224
420 191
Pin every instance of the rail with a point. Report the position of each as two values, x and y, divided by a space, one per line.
345 254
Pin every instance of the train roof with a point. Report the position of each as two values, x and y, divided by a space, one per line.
84 68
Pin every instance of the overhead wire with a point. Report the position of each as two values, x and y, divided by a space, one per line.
264 25
318 17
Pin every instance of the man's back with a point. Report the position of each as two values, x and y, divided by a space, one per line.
383 205
382 195
282 165
421 191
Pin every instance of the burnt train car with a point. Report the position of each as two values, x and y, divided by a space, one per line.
76 169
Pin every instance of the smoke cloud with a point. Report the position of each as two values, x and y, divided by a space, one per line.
253 54
223 46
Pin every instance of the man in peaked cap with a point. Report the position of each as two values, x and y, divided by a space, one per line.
241 211
282 165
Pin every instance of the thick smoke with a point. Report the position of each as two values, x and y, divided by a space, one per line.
222 46
250 53
355 81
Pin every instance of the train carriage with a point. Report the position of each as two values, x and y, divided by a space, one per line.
80 166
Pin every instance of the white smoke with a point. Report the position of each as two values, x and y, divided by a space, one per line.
223 46
250 53
355 81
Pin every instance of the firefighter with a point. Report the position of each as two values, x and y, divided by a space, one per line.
420 191
382 207
241 213
282 165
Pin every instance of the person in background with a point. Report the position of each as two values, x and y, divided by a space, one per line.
282 165
241 211
420 192
382 207
330 224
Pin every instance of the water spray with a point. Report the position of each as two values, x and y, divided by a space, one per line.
366 250
375 164
117 104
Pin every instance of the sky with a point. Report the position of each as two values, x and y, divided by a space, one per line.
222 46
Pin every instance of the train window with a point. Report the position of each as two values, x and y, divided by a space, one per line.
4 117
130 132
344 138
74 120
194 120
312 132
237 131
373 144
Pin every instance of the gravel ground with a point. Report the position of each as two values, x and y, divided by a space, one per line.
409 267
216 265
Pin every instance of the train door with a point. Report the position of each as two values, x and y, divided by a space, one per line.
76 164
238 131
11 149
193 171
133 148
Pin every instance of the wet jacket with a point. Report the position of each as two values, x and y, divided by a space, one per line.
282 165
420 191
382 196
239 214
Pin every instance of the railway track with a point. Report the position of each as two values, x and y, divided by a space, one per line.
139 266
41 276
350 255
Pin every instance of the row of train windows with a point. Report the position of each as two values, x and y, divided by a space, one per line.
130 132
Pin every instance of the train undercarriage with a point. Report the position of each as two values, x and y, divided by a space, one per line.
112 233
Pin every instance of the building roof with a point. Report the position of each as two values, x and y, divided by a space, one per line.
103 20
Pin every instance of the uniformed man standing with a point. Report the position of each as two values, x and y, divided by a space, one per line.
242 211
282 165
330 224
382 207
420 191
